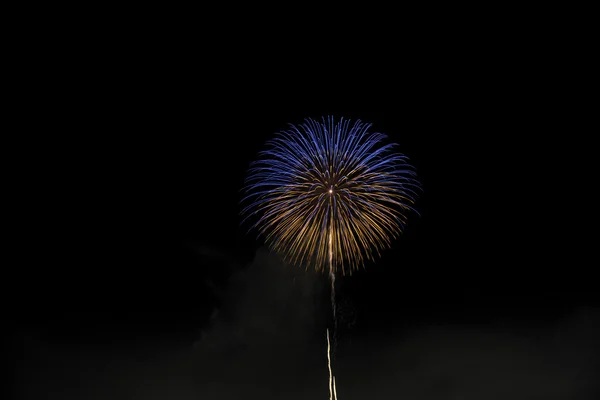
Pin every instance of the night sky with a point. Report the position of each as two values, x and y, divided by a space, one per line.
145 284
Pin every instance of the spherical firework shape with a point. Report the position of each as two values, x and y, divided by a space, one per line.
330 193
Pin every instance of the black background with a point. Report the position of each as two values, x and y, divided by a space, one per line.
131 156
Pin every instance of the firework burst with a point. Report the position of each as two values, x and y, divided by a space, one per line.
330 194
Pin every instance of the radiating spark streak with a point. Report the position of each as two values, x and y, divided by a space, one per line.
326 175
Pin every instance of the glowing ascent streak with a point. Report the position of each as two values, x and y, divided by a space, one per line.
332 388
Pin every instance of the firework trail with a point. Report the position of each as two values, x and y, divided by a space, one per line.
332 279
330 194
332 388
